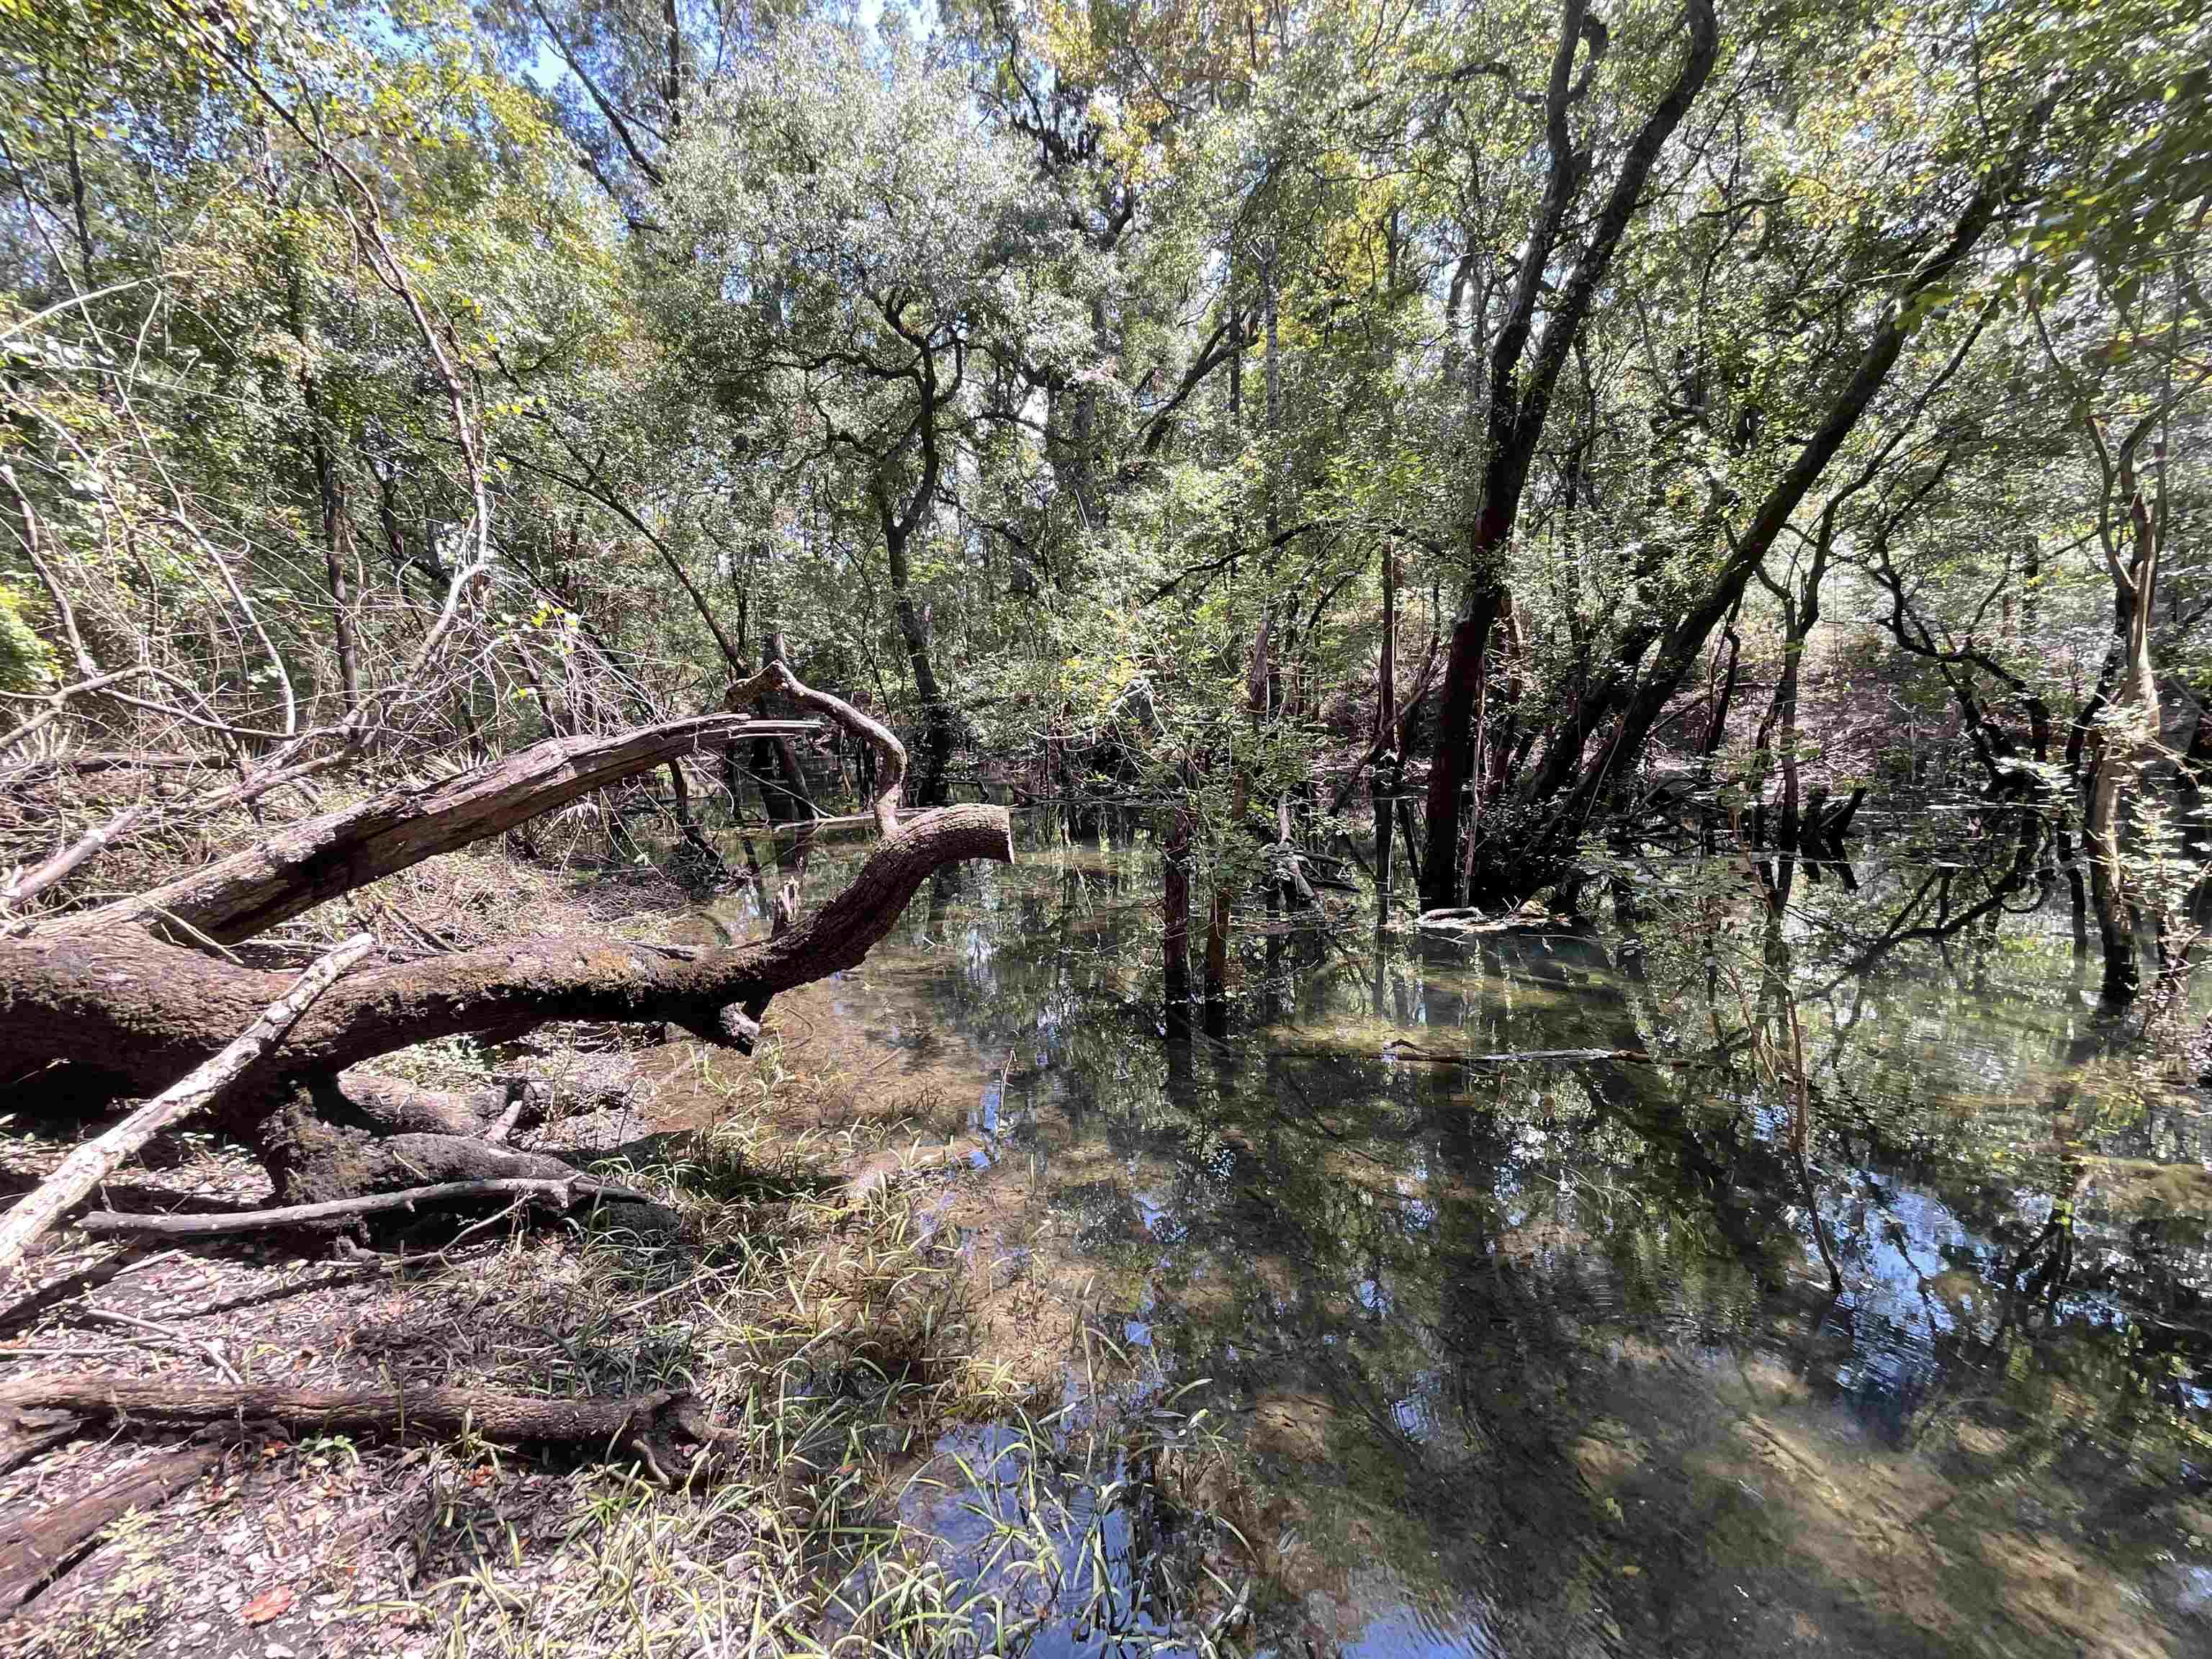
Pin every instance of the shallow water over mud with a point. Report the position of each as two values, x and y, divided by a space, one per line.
1544 1356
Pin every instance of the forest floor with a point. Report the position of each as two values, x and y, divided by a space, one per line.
812 1297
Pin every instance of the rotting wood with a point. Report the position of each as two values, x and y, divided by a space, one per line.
664 1429
36 1547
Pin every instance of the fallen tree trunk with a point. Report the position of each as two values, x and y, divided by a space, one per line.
25 1435
146 1010
320 858
97 1158
35 1548
664 1429
107 995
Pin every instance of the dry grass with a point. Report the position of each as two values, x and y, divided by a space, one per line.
897 1487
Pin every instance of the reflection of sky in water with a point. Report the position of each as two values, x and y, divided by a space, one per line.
1405 1633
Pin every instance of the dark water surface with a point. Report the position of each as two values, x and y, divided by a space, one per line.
1543 1357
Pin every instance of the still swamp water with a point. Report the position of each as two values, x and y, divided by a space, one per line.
1545 1357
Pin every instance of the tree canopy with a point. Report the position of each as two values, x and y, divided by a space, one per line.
388 381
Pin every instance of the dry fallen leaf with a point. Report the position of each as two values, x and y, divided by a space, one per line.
272 1603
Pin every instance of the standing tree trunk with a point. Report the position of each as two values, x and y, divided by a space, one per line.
2126 735
1174 932
1519 395
936 755
1240 803
1716 728
1384 775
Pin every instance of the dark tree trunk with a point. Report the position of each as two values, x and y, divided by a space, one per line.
1716 728
1174 895
1685 638
1519 397
1384 775
935 757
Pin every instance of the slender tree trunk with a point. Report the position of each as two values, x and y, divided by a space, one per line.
1274 386
1458 716
1383 777
329 487
1778 733
2129 735
2127 738
1216 964
936 756
1174 895
1519 394
1716 728
2108 890
1685 637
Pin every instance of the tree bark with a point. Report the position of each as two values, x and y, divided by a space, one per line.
1686 637
2125 738
1519 409
1384 760
35 1549
1717 728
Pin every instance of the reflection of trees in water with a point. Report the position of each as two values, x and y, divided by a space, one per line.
1446 1267
1456 1371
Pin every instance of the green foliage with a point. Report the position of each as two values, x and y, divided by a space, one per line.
27 661
1158 321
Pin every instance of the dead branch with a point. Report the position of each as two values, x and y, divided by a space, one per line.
776 679
35 1548
29 884
320 858
563 1194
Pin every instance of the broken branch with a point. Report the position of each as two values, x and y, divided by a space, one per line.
563 1194
320 858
